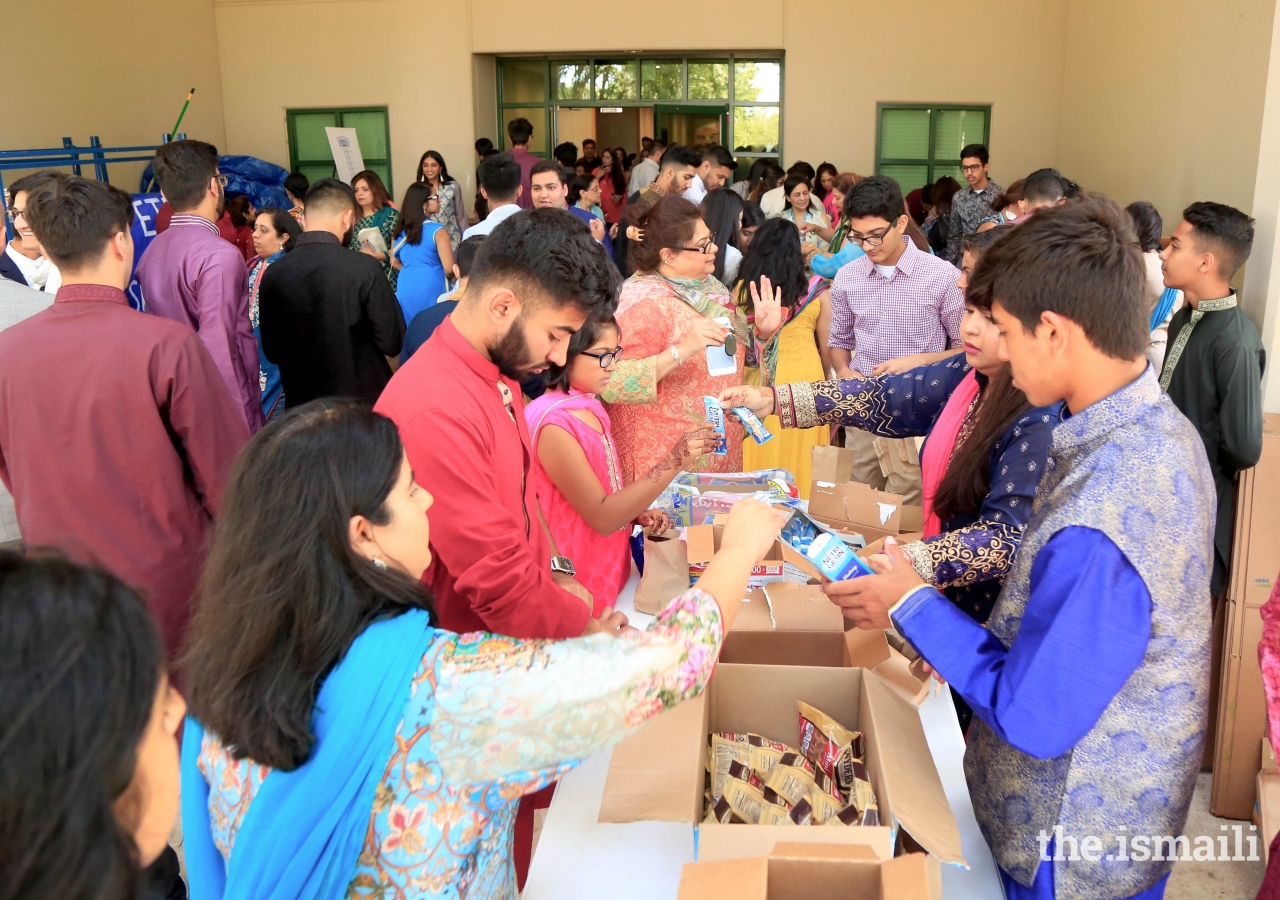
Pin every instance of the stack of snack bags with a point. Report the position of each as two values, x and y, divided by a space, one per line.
753 780
692 498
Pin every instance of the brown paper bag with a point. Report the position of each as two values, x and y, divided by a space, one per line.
666 572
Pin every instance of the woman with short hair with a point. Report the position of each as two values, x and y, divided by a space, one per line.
377 212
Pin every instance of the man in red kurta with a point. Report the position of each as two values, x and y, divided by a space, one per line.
458 405
116 453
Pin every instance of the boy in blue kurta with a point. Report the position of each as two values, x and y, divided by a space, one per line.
1090 684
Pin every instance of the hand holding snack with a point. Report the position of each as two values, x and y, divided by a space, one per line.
757 399
866 601
702 333
752 528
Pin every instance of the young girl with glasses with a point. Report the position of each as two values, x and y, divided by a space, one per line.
579 483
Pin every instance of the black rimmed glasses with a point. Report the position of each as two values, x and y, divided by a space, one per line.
969 169
605 359
222 179
703 248
12 214
872 240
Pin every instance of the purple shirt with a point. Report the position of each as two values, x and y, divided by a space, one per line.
190 274
527 161
880 318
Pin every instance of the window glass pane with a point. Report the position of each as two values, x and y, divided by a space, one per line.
908 177
371 129
312 142
757 82
573 81
315 172
661 80
709 80
523 81
537 117
615 81
904 134
954 128
755 128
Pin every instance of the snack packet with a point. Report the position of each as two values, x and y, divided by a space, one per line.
722 812
802 813
722 753
752 425
861 794
744 773
795 785
715 418
763 759
829 745
743 798
835 559
773 814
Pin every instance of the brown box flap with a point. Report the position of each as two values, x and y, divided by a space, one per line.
800 850
802 607
753 614
857 504
908 777
833 465
741 879
632 793
716 841
701 541
1268 806
906 878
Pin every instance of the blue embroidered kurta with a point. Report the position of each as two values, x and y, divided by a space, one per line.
974 551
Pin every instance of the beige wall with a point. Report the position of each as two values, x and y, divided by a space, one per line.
92 69
421 69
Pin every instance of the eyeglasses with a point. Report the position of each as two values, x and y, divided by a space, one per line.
222 179
605 359
703 248
971 168
871 240
12 214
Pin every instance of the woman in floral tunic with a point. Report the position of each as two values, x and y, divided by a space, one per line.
377 212
342 746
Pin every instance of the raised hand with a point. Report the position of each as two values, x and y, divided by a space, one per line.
768 305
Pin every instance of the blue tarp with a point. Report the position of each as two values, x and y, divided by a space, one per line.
262 181
145 208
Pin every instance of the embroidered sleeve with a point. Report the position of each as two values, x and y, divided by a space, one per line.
888 405
633 381
978 552
232 784
504 707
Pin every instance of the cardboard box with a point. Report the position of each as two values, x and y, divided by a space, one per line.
854 507
1268 820
795 871
659 773
1268 756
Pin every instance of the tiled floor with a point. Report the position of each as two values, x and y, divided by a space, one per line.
1215 880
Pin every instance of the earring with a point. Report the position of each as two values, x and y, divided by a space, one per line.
377 561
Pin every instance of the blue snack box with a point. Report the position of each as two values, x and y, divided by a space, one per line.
835 559
715 416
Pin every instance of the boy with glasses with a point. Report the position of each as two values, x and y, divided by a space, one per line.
23 259
895 303
191 275
971 206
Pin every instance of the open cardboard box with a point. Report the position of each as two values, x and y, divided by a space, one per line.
853 508
803 871
659 773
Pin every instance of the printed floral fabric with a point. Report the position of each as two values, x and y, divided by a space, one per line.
452 214
633 381
1269 659
489 719
385 220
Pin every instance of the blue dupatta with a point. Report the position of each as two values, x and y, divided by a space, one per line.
1163 306
303 833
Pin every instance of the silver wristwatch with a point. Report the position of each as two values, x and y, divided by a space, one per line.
563 566
675 354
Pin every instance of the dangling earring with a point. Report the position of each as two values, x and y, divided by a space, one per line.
377 561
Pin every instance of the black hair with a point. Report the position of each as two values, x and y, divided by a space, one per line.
566 154
499 175
556 377
794 181
331 195
680 156
445 177
978 151
1043 187
548 253
876 196
655 146
238 208
800 167
550 165
465 255
756 172
29 183
577 185
1148 224
75 218
483 146
752 215
413 213
977 242
770 178
183 170
296 184
373 181
719 156
1080 260
926 194
825 169
1223 230
82 667
721 209
519 130
283 224
284 595
775 251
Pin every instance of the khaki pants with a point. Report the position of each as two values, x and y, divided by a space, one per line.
887 464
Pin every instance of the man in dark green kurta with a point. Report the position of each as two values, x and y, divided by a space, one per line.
1213 368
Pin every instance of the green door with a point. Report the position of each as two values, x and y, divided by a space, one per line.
693 126
309 144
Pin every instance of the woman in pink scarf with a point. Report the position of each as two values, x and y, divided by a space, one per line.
579 482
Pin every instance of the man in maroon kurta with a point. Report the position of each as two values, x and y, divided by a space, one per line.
117 455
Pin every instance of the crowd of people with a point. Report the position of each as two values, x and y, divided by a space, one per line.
359 482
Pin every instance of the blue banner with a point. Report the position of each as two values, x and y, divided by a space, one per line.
145 208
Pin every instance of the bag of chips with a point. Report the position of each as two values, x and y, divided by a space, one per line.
829 745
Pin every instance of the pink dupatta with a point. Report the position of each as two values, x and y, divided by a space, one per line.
941 445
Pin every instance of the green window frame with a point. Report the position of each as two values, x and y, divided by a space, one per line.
575 80
309 151
918 143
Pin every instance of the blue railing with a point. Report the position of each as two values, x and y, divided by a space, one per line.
76 158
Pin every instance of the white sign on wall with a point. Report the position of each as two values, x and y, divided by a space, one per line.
345 146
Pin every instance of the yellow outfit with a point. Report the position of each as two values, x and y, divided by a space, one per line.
798 360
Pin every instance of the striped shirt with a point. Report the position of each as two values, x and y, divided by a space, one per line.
880 319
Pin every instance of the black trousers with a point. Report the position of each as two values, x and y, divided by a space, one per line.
162 880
